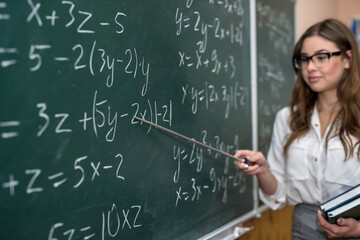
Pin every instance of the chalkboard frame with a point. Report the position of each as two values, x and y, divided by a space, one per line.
233 228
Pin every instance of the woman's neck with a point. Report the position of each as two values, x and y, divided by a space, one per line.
327 103
328 107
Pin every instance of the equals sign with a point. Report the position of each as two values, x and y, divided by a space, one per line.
7 63
6 135
2 15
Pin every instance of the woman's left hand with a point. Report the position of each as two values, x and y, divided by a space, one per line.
345 227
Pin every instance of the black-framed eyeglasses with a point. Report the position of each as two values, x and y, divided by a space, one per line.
320 60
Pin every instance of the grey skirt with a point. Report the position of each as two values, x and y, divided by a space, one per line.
305 225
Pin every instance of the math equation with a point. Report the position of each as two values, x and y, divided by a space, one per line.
75 161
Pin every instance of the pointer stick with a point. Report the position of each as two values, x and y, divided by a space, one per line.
243 160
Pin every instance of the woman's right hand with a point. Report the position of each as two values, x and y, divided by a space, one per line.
258 162
259 167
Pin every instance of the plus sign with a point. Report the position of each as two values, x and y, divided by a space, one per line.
11 184
52 18
84 120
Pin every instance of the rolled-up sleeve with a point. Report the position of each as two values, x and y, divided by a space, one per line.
276 160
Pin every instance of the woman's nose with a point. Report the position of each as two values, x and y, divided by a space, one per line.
311 66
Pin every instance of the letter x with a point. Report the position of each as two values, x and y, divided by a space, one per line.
34 12
96 171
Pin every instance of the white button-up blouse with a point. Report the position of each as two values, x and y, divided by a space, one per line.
309 173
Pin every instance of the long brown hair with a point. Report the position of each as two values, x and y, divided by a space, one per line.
347 122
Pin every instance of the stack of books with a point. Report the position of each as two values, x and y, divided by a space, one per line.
344 205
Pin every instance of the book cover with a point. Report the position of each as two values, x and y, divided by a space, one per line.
348 210
341 199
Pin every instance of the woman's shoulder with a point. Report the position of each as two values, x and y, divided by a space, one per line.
281 120
283 114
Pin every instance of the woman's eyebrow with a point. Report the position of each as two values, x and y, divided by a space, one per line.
316 52
321 51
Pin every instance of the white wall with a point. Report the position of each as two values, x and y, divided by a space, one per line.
346 9
309 12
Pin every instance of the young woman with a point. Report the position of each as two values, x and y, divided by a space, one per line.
314 153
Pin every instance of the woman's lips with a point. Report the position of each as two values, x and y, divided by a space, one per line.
314 79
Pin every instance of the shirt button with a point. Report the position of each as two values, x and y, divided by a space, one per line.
316 125
316 159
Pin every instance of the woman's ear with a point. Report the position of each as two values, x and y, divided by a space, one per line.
348 60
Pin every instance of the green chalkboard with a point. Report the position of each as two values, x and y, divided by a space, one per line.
76 164
275 30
